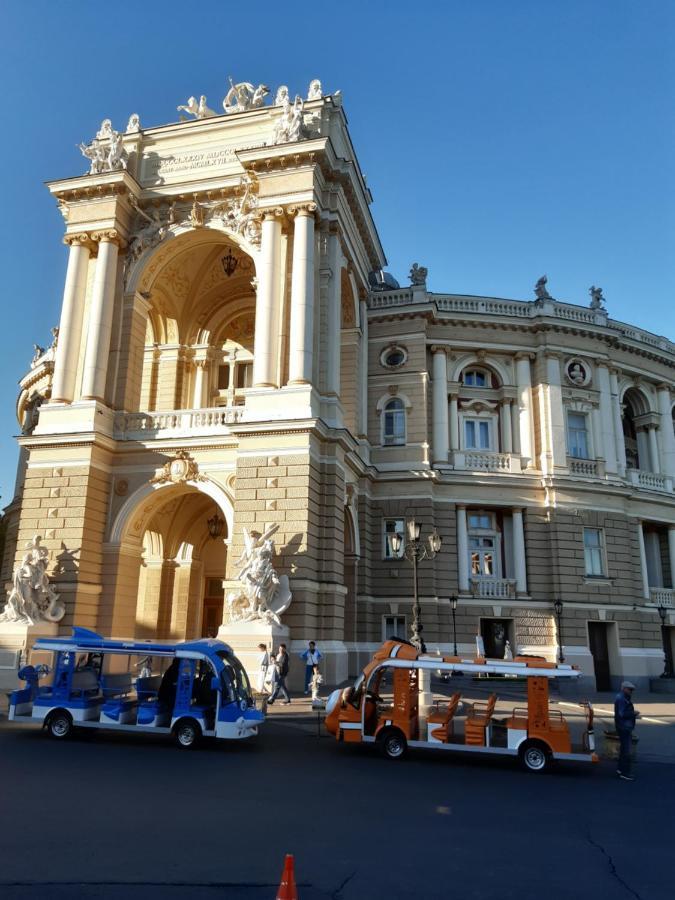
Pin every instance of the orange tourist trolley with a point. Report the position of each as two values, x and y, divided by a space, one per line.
534 733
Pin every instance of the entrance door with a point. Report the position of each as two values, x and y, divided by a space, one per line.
668 641
212 616
597 640
495 633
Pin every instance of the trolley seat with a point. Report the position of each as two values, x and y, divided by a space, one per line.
84 694
479 715
150 710
119 706
440 722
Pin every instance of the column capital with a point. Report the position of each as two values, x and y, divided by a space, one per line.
272 213
302 209
552 354
663 387
79 239
437 348
109 236
524 354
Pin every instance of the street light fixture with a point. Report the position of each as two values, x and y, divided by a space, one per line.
665 639
558 607
453 607
415 550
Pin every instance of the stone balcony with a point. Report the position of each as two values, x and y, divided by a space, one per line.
175 423
486 461
650 481
662 596
493 588
583 468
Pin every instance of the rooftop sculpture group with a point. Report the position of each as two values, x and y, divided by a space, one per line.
106 152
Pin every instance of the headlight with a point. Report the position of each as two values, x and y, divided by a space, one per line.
332 701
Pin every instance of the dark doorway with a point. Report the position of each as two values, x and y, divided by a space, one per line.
668 640
597 640
495 634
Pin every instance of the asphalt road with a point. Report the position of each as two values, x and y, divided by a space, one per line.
125 816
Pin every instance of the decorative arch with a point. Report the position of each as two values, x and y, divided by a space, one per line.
497 368
150 263
640 401
385 398
135 505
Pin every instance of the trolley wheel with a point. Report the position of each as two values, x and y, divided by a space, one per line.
393 744
187 733
60 725
535 756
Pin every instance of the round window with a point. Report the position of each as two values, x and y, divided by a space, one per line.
393 357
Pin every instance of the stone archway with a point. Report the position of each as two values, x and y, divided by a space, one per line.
162 558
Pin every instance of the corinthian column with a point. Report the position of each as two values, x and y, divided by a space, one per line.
524 383
302 296
666 431
462 551
100 316
334 317
439 405
72 312
267 304
607 419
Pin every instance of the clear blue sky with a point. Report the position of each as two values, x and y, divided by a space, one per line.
501 138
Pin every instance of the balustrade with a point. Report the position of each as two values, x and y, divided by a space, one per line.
497 588
134 426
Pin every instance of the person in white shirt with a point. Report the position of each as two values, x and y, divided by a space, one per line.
311 656
263 666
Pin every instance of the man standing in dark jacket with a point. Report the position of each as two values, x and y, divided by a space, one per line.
282 672
624 722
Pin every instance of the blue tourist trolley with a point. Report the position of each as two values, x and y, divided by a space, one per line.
203 689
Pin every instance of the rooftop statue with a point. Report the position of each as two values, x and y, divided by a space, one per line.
244 96
540 289
290 126
106 152
264 595
198 110
597 300
418 274
281 96
134 124
32 598
315 92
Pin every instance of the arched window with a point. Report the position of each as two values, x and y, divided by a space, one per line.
477 378
393 428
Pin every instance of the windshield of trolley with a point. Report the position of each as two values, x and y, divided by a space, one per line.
234 679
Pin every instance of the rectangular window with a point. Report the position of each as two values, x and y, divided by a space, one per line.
476 434
390 527
393 627
577 435
480 520
223 377
594 553
244 373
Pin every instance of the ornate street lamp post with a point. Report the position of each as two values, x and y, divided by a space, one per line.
453 607
558 607
415 550
665 639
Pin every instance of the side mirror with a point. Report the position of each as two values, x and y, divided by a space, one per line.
215 683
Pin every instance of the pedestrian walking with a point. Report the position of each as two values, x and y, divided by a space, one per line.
263 666
281 665
624 722
311 656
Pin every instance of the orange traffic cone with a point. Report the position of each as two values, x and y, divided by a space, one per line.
287 889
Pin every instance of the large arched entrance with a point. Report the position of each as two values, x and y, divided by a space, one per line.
191 334
167 561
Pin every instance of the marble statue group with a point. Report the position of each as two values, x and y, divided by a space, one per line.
264 595
32 599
